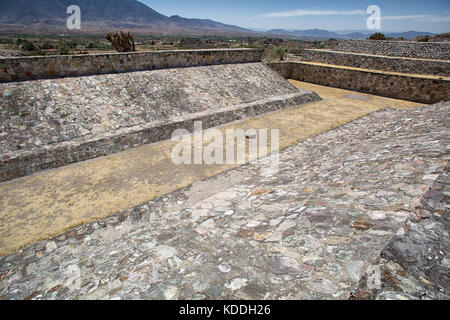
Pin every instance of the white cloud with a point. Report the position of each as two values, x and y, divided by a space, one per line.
420 17
297 13
437 19
301 12
410 17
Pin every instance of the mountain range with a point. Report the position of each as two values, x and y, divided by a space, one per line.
109 15
325 34
102 16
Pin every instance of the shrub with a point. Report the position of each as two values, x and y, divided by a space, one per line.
297 51
423 39
63 48
47 45
28 46
99 46
72 44
279 53
6 41
377 36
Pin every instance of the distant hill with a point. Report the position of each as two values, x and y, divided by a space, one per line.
316 34
313 33
109 15
280 32
104 15
354 35
325 34
442 37
409 34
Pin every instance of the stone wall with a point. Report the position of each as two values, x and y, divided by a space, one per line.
396 64
413 88
428 50
28 68
53 122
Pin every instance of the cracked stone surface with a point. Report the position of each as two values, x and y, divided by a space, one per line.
309 231
415 263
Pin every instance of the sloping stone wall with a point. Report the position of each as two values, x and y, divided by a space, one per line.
418 89
29 68
416 261
396 64
427 50
53 122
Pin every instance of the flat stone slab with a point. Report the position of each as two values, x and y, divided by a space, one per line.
309 231
50 123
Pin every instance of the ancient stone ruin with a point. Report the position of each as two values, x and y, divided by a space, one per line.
92 207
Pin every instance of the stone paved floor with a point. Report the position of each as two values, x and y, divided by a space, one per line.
416 262
309 231
48 203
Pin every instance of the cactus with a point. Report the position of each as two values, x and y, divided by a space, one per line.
122 42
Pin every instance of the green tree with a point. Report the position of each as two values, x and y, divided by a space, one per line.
423 39
28 46
72 44
47 45
6 41
63 48
377 36
279 53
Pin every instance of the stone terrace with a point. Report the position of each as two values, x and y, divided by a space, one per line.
53 122
379 62
413 71
427 50
310 231
58 110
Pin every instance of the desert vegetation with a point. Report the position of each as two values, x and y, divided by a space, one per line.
122 41
39 45
377 36
276 54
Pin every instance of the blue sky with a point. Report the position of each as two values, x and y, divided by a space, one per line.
397 15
